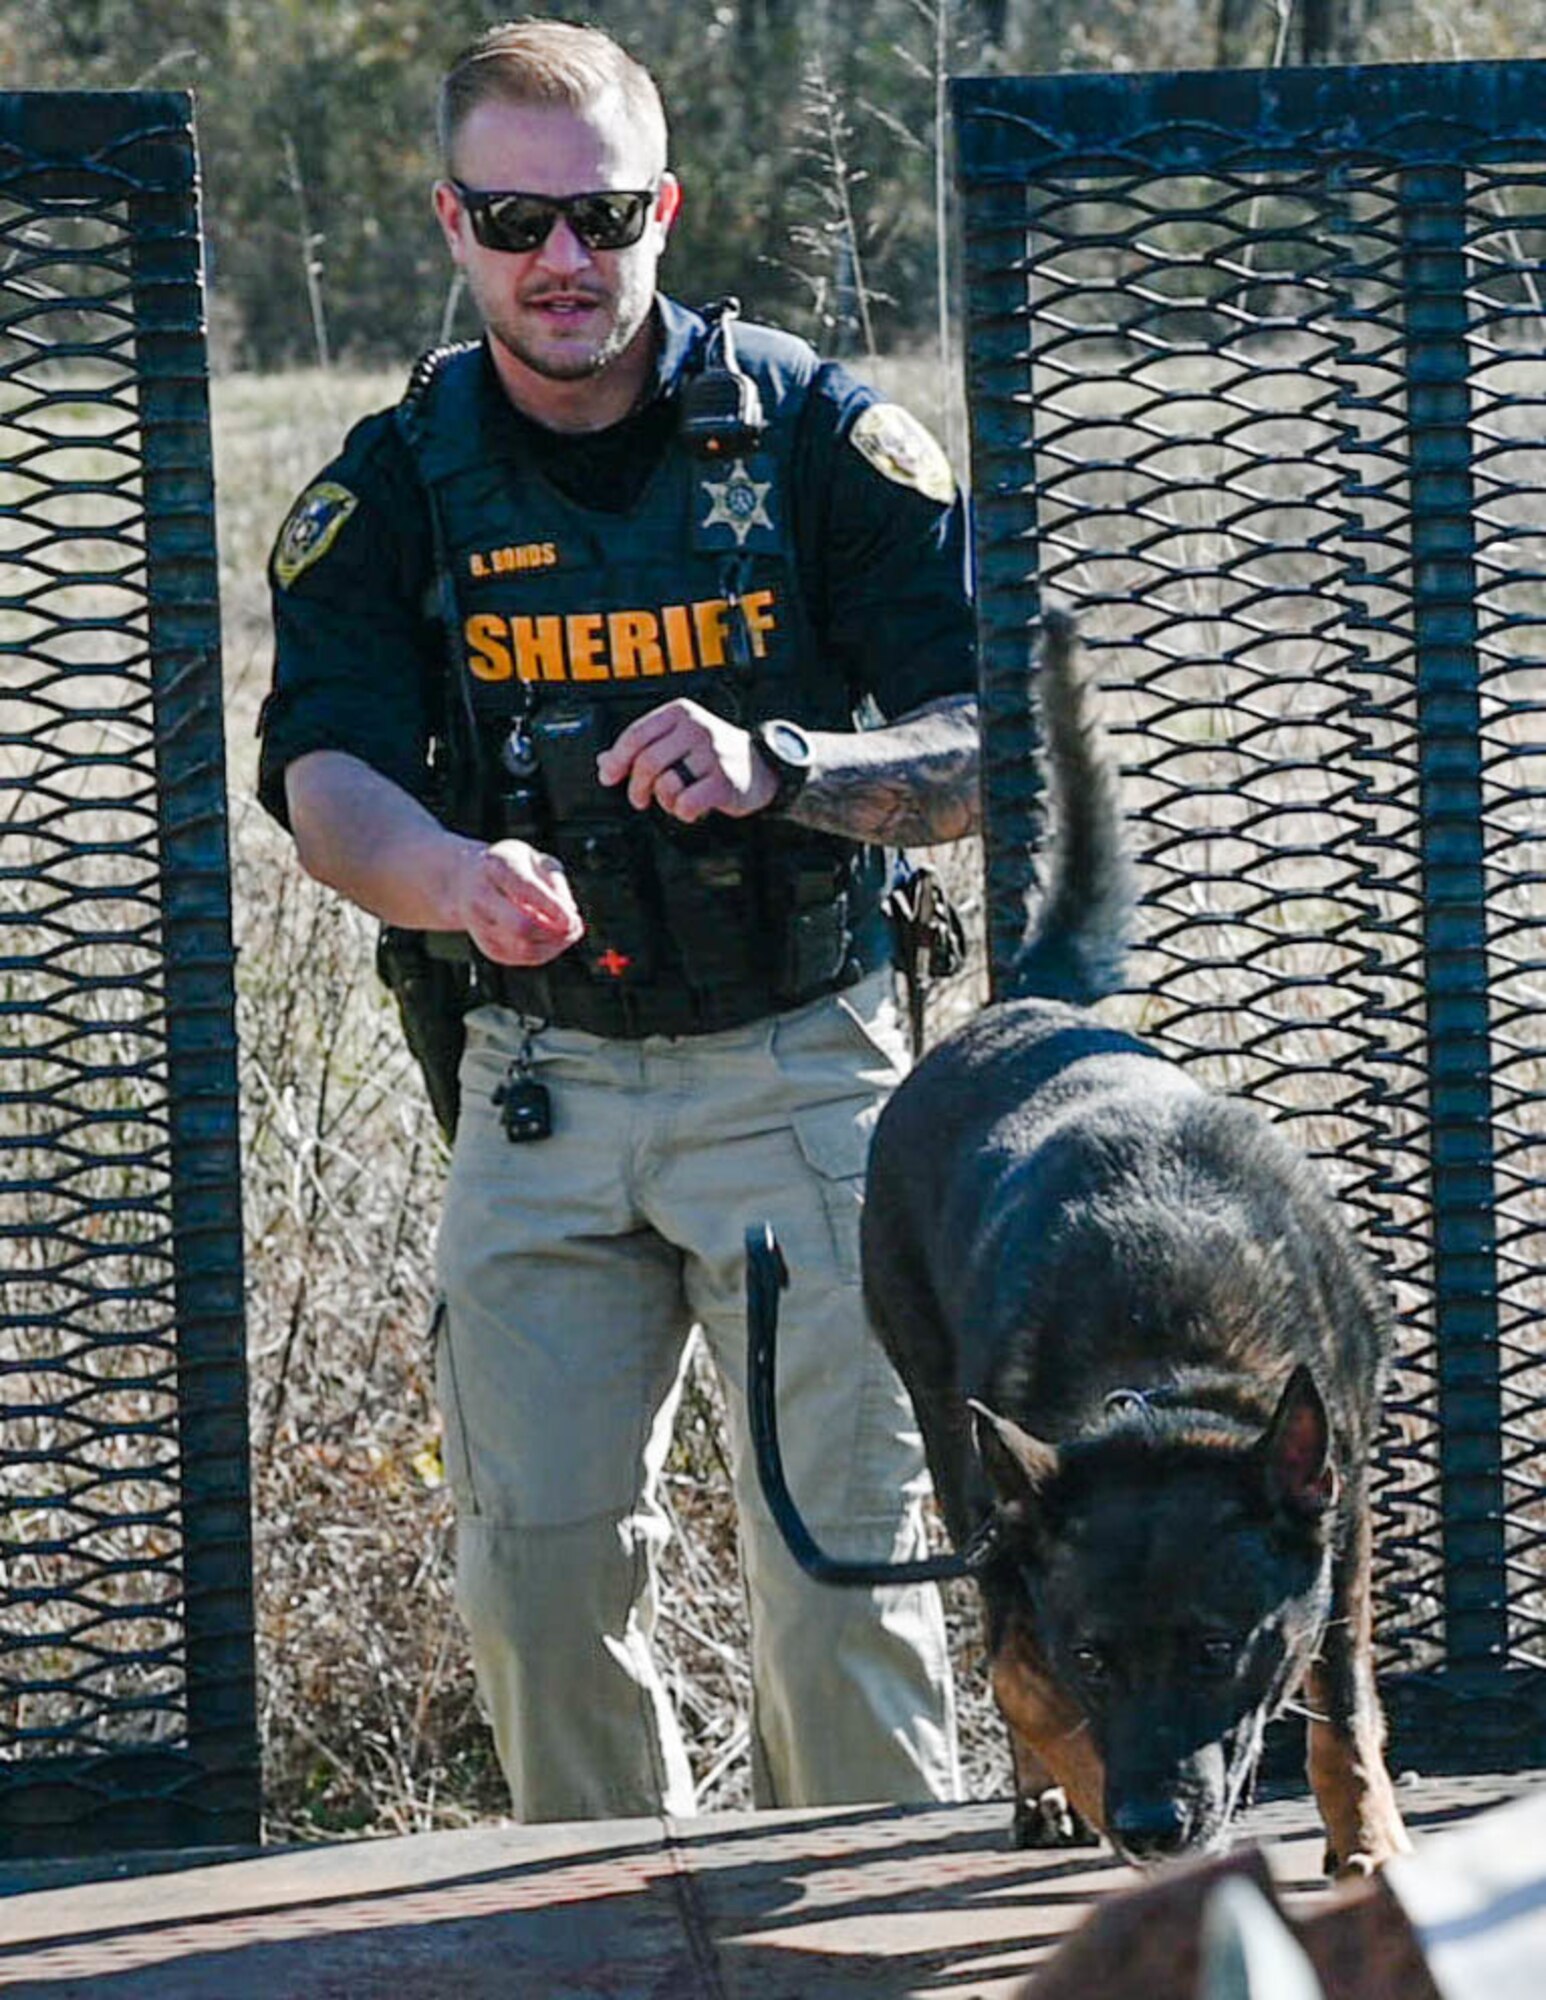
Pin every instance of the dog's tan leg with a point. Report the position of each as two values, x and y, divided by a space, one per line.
1060 1782
1347 1734
1352 1787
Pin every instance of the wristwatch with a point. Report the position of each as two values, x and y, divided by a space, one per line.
786 750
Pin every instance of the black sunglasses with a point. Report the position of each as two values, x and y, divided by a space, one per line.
509 220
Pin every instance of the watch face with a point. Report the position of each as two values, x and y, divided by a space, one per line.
787 743
786 750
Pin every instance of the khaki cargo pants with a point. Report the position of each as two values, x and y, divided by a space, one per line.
573 1271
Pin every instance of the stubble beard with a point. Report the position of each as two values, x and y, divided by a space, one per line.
554 360
555 364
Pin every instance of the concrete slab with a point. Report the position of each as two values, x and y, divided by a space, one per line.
854 1904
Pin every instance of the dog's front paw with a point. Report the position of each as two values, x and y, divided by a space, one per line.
1360 1866
1048 1820
1368 1856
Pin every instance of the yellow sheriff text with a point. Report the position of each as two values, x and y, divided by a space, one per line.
614 645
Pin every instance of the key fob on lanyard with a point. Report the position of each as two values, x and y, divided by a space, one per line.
525 1104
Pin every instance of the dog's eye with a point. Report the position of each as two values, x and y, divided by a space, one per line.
1090 1661
1216 1654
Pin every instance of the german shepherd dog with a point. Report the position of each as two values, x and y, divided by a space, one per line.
1146 1356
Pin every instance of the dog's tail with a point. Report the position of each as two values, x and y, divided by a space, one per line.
1076 941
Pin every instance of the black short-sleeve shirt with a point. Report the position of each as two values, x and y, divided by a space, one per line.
360 653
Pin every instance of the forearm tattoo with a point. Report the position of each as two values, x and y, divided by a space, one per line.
910 784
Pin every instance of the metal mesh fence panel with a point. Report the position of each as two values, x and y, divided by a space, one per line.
1257 378
126 1675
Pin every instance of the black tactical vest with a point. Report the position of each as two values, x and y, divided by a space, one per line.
563 624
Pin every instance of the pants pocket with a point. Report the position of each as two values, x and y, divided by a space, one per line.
838 1061
834 1140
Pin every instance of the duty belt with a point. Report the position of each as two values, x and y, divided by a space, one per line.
628 1014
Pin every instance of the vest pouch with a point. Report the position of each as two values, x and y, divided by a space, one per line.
519 815
811 900
601 860
710 904
566 741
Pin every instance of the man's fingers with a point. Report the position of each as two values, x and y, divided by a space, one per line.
684 759
691 797
675 766
536 886
665 767
661 754
642 733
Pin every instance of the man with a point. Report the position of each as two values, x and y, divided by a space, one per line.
569 651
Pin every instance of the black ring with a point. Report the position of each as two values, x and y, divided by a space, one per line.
684 770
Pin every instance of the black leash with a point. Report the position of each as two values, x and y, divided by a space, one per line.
766 1276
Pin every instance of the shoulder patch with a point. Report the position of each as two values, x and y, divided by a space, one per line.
903 450
311 529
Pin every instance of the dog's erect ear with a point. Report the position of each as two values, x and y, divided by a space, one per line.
1018 1465
1295 1449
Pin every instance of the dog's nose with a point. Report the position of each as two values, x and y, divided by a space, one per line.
1149 1829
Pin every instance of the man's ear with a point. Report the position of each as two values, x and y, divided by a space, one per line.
668 201
448 213
1017 1464
1295 1449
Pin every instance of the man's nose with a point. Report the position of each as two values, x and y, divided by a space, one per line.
561 250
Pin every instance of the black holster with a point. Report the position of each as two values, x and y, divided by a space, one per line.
432 993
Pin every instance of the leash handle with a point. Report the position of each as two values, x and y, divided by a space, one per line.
766 1276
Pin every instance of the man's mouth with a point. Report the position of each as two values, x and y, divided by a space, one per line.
564 305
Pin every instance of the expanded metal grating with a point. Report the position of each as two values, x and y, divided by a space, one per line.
126 1674
1257 374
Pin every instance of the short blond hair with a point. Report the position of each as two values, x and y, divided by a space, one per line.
534 61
